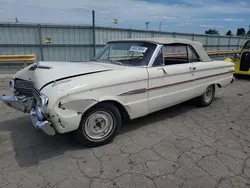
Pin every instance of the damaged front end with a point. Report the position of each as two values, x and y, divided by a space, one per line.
21 103
20 100
28 100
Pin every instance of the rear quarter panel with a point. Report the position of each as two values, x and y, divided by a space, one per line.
219 73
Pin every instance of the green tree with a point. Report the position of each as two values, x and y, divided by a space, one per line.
229 33
241 31
212 32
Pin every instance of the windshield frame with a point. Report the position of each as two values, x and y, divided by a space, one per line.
150 59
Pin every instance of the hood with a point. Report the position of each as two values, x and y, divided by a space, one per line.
49 72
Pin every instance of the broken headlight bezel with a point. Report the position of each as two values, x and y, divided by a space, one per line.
12 85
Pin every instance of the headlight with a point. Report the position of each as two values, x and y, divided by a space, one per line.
42 103
39 113
44 100
12 85
40 106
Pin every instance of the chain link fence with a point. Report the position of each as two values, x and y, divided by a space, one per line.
78 42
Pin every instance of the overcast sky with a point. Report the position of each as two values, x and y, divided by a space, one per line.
193 16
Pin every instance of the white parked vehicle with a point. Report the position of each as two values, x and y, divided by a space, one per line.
127 79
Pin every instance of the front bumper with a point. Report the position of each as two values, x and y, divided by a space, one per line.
45 126
25 104
20 103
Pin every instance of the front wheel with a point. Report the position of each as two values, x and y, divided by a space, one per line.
207 97
99 125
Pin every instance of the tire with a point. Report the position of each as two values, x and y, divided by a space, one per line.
99 125
207 97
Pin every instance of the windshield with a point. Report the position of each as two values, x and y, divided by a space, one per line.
126 53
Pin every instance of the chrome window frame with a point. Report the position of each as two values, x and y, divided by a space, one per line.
155 54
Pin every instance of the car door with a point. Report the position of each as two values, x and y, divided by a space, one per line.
170 81
208 73
199 71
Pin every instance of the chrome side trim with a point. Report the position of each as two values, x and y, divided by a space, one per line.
73 76
182 82
133 92
143 90
60 82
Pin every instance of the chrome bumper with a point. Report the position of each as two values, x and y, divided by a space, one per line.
20 103
25 104
45 126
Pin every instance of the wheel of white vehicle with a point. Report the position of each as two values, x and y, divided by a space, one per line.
99 125
207 97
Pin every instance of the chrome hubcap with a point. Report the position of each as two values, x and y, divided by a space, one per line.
98 125
208 94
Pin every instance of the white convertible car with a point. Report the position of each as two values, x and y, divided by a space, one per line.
127 79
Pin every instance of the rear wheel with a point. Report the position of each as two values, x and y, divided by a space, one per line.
207 97
99 125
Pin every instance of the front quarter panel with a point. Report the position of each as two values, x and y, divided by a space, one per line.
68 101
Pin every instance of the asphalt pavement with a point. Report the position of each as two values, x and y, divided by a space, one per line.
180 147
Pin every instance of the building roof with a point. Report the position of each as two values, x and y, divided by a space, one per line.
165 40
